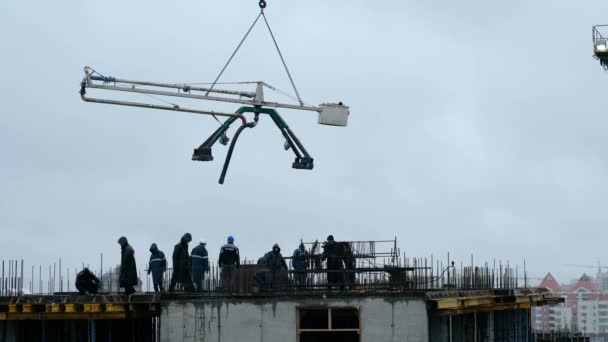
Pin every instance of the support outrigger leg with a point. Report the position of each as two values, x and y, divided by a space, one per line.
203 153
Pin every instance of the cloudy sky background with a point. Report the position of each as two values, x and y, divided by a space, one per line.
475 128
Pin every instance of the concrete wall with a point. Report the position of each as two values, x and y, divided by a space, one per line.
498 326
8 331
226 320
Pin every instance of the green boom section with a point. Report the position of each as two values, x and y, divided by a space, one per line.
274 115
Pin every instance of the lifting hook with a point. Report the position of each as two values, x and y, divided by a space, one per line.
262 4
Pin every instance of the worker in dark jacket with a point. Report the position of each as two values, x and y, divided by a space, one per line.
275 263
334 261
229 261
157 266
87 282
128 270
350 262
300 264
182 273
200 264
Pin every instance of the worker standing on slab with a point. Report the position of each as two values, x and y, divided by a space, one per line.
334 261
350 263
300 264
128 270
87 282
200 264
276 264
229 261
157 266
182 273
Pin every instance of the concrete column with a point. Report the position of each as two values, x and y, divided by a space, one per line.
491 327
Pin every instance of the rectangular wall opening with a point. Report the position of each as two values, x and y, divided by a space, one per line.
328 324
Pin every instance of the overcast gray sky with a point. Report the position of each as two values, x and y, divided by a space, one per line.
476 127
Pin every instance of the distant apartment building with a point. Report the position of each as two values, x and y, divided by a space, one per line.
553 317
585 307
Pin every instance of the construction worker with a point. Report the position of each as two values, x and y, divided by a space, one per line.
229 260
262 260
87 282
350 263
182 273
157 266
261 274
300 264
128 270
275 263
200 265
334 261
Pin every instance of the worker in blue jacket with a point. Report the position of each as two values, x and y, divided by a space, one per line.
200 264
157 266
300 262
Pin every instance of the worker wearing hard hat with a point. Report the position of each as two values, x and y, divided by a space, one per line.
229 261
200 264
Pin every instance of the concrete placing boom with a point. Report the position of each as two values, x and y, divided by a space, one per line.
334 114
600 49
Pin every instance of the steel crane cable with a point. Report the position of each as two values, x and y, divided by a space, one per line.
234 53
282 59
282 92
230 59
262 5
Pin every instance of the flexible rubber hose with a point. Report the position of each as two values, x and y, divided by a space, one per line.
231 148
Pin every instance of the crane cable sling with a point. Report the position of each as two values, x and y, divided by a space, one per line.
234 53
262 5
283 60
230 59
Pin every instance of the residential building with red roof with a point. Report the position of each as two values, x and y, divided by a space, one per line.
552 317
585 307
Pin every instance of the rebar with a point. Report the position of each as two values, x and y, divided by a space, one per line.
377 267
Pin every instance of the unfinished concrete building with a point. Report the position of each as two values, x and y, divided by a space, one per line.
389 298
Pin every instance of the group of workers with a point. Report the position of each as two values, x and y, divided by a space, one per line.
340 268
189 268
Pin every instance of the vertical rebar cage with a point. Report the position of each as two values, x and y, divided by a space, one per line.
600 47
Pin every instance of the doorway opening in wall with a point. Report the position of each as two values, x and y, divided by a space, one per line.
328 324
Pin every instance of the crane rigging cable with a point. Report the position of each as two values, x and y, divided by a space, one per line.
283 60
234 53
262 5
232 56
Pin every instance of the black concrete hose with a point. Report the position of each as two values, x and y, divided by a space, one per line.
229 155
